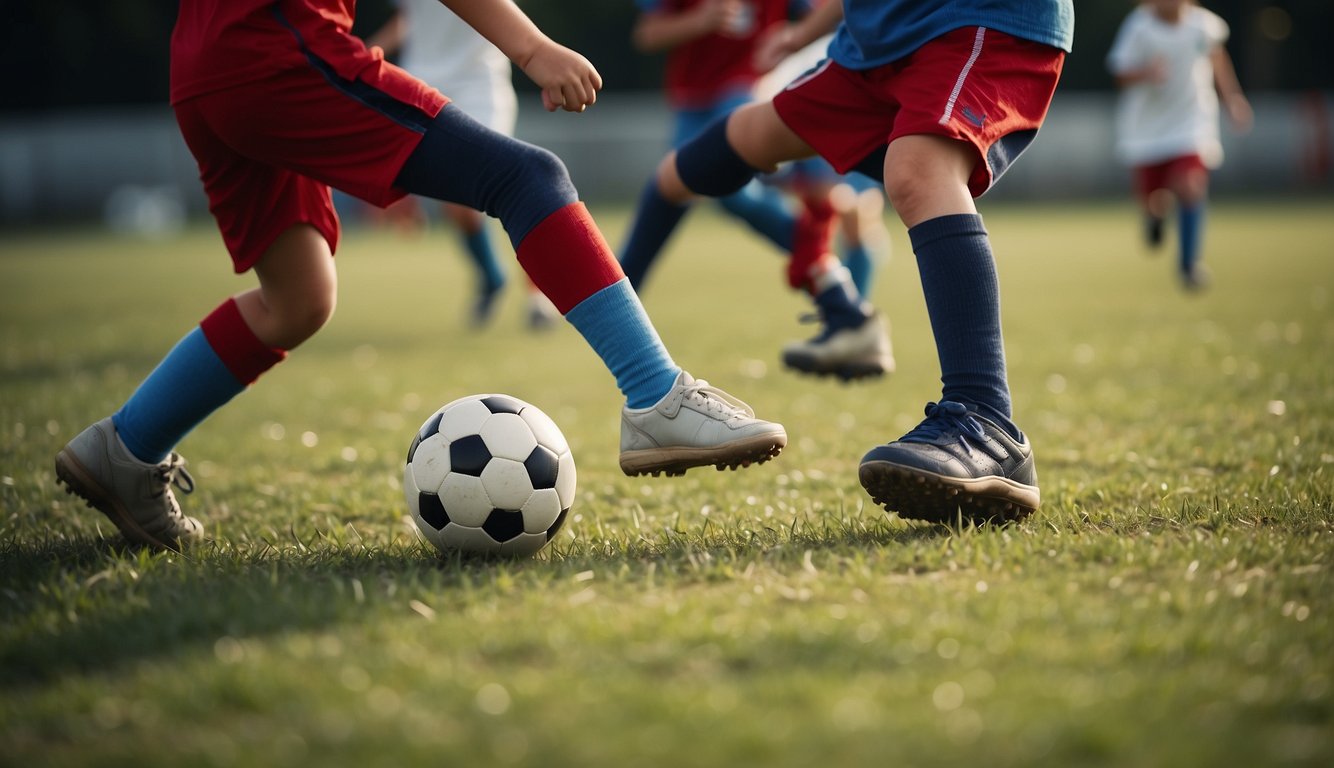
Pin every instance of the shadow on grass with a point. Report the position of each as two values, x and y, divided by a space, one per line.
87 605
92 605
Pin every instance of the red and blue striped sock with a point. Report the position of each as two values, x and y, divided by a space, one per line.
207 368
567 258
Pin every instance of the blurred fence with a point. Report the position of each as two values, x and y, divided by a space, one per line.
131 167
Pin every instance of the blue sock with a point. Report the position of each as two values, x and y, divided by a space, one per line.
840 304
655 220
962 295
483 255
858 261
764 209
617 328
1190 222
190 383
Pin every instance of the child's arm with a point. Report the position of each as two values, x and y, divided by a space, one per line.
662 30
567 79
787 39
1229 90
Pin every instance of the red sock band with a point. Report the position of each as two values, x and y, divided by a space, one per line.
810 241
236 345
567 258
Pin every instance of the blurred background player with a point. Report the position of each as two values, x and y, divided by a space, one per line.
440 49
858 200
279 102
712 69
1168 58
936 99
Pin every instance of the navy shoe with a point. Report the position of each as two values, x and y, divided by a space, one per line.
1153 231
956 466
484 305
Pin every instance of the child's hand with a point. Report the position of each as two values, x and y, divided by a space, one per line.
729 18
567 79
1239 112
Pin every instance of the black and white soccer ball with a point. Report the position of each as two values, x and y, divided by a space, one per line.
489 473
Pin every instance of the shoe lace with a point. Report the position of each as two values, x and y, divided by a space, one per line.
173 472
946 419
715 400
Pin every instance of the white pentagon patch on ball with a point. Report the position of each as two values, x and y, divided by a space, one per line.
489 473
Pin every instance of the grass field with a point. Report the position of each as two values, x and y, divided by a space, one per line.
1171 604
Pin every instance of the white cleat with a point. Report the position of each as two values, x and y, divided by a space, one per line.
97 467
695 425
848 353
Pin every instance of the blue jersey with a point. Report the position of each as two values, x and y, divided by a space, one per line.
877 32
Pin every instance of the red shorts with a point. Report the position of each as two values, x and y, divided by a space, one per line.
268 151
977 85
1151 178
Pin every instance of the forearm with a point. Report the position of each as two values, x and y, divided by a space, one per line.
504 24
1225 76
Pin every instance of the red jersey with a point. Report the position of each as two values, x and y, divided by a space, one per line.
219 44
702 71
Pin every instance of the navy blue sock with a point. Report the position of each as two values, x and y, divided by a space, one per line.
1190 223
655 220
962 293
840 304
763 208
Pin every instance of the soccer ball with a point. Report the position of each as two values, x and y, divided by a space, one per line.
489 473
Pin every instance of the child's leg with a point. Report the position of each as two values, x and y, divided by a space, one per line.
242 338
476 237
124 465
1191 187
557 243
966 458
725 157
655 219
671 421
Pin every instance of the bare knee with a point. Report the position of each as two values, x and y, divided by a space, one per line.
927 176
298 289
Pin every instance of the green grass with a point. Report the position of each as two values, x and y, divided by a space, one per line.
1169 605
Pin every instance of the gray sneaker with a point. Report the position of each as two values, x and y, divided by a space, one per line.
848 353
695 425
97 467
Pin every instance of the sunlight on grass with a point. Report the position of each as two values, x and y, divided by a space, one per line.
1168 605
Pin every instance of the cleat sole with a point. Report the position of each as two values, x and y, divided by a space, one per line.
919 495
674 462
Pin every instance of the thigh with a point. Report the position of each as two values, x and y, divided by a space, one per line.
762 139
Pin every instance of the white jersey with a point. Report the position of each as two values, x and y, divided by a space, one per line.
792 67
1157 122
442 50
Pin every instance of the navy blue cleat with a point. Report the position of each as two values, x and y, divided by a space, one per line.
955 467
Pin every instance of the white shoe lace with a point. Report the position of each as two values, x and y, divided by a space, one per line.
716 401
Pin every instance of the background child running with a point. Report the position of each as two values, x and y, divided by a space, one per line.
1169 60
437 47
858 201
713 68
279 102
936 99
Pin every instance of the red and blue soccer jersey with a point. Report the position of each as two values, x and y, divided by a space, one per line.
705 70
